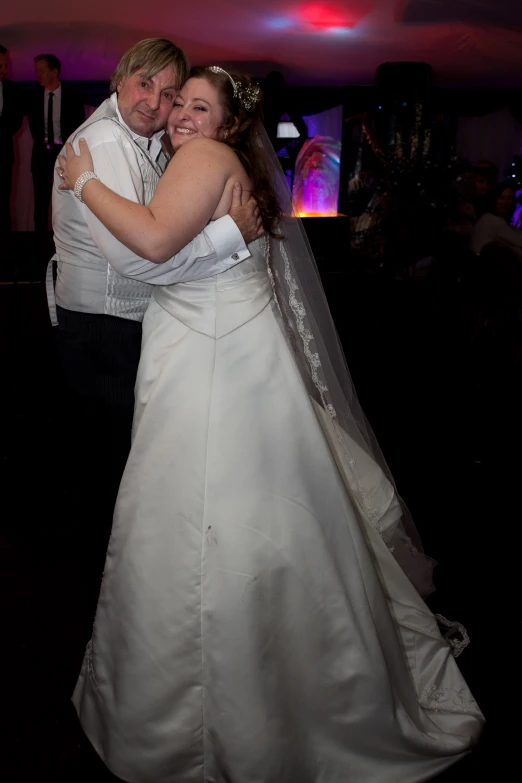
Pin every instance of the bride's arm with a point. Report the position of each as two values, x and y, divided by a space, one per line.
185 200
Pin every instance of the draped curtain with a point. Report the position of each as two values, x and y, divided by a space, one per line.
326 123
496 137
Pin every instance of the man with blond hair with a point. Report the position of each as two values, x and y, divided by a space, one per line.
102 289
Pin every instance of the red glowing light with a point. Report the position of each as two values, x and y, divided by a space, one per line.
324 16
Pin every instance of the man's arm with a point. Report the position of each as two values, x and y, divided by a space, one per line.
216 249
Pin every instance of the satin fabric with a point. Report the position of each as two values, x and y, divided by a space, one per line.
252 627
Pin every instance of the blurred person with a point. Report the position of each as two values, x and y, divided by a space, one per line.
495 223
54 112
485 177
11 116
469 199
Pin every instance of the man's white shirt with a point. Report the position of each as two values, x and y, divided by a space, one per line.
96 273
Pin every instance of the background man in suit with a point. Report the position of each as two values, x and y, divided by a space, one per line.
11 116
55 113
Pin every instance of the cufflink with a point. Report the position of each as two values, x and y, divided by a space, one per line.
235 256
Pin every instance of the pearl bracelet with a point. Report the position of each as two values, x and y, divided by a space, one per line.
80 183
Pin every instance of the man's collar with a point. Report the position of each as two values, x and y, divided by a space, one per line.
47 90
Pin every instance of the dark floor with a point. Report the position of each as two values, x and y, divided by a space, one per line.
448 422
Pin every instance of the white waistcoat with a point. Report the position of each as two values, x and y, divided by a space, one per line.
85 280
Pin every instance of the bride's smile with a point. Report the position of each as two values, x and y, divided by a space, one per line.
197 113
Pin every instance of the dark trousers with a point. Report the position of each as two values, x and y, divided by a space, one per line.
6 172
99 356
43 176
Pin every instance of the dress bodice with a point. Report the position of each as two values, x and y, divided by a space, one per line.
219 304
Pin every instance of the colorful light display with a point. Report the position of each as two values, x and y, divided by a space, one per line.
317 178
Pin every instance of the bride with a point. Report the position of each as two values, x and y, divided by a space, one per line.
257 621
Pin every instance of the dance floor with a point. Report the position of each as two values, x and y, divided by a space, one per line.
448 423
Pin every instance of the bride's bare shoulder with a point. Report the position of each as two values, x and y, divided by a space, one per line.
208 148
207 157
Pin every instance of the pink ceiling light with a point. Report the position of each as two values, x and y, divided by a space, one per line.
324 17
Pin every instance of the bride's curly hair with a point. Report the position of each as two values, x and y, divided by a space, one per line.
240 130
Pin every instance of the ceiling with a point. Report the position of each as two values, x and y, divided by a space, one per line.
468 42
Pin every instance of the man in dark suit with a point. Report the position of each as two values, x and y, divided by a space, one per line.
55 112
11 117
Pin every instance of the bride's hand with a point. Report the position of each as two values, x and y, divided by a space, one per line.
71 168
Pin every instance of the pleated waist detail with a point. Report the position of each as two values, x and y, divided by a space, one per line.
216 306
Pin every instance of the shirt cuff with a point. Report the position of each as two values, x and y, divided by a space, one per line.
227 240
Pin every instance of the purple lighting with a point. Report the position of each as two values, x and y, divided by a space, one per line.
280 23
317 176
517 217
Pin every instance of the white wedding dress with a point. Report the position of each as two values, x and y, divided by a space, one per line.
250 627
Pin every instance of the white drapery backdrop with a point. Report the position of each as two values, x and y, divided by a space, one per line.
326 123
496 137
22 200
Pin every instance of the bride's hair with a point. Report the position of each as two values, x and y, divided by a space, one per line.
240 131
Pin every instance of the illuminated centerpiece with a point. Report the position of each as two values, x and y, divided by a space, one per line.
317 177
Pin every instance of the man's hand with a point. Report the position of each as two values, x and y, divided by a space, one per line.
246 217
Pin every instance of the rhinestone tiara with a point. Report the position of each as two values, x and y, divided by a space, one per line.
247 96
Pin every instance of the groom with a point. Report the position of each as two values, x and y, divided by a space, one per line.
102 288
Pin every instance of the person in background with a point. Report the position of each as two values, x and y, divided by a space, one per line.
470 199
485 177
11 117
55 111
494 225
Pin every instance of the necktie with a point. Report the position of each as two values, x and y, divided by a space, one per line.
50 122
